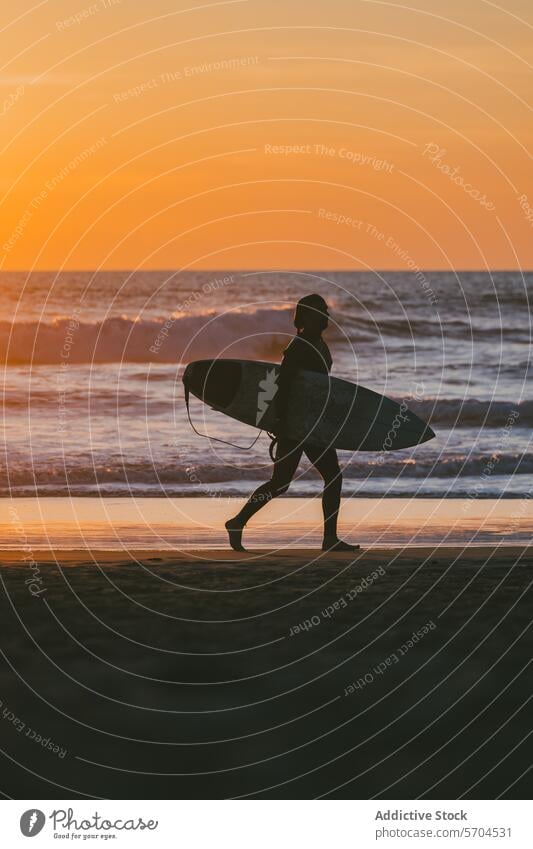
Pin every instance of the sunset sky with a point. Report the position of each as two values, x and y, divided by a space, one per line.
248 134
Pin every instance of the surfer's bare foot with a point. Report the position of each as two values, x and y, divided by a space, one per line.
235 529
338 545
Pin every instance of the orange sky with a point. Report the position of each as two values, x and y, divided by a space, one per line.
253 134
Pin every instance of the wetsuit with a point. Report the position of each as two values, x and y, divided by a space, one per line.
310 355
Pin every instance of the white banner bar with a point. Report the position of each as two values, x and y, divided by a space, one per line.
267 824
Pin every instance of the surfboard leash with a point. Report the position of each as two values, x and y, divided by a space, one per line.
272 446
217 438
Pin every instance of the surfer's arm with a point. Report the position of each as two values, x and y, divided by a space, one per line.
287 371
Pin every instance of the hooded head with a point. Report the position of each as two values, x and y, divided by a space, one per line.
311 315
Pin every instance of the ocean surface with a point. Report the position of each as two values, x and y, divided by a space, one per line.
92 399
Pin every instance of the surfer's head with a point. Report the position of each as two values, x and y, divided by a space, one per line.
311 315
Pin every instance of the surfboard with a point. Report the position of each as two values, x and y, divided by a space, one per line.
322 410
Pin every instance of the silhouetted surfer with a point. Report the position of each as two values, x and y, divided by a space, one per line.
306 351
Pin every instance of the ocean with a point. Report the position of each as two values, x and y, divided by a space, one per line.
93 400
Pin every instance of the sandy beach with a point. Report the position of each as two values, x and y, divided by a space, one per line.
394 673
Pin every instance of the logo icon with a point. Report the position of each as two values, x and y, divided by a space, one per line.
32 822
268 388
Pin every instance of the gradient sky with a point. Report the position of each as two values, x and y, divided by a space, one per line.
140 135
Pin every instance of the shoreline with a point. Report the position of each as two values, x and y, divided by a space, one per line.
180 524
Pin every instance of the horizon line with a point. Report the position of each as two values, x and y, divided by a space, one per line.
271 270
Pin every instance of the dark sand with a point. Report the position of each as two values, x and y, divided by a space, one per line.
175 676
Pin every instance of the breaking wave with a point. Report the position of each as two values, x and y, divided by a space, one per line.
262 333
113 475
470 412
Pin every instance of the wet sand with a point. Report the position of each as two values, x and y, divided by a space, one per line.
394 673
134 523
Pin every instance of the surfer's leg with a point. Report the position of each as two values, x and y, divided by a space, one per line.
288 454
327 465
